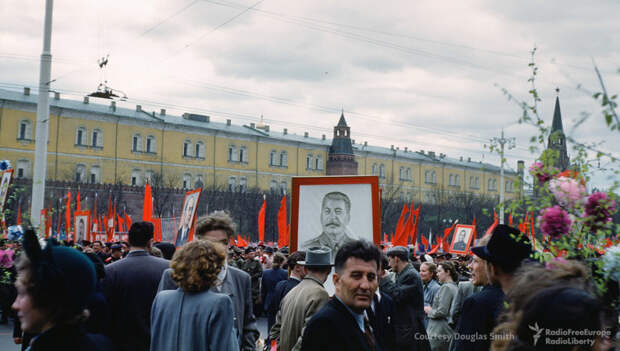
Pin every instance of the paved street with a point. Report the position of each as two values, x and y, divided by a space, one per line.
6 335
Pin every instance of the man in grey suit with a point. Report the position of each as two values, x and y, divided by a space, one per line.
218 227
130 286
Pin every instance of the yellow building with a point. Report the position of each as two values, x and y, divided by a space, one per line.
97 143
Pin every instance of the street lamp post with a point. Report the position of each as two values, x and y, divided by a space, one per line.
502 142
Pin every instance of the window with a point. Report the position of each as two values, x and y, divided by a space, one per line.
284 159
401 175
272 158
319 162
243 154
199 182
492 185
434 177
451 180
148 176
243 184
200 150
80 173
95 174
23 169
457 180
24 131
232 182
136 143
187 148
427 197
273 186
150 145
382 171
136 176
427 177
408 197
476 183
97 138
283 187
232 153
508 186
187 181
309 161
408 174
81 136
374 169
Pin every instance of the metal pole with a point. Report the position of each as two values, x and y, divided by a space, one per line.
501 182
43 112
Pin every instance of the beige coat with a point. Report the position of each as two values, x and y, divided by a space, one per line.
298 306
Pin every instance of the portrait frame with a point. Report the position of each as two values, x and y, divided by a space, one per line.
193 195
469 231
81 216
7 177
340 184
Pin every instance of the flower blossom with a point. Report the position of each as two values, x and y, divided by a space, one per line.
554 221
598 209
537 169
611 263
567 191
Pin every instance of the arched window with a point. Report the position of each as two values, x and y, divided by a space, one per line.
434 177
136 143
273 158
283 159
200 150
232 183
401 175
382 171
427 177
243 154
151 146
309 161
477 182
81 136
283 187
97 138
319 162
273 185
408 174
187 148
243 184
24 130
451 180
199 182
232 153
80 173
187 181
136 177
95 174
374 169
23 169
457 180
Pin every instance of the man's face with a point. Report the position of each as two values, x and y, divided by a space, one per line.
189 210
117 253
478 271
251 255
217 236
124 247
81 229
425 273
357 283
33 319
462 235
334 217
97 247
393 262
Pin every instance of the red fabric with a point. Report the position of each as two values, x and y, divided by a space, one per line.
424 240
121 223
95 219
493 225
147 212
110 219
414 235
68 216
19 213
261 221
401 222
127 222
78 205
475 232
282 224
241 242
231 242
533 231
156 229
401 237
445 246
510 220
385 238
435 247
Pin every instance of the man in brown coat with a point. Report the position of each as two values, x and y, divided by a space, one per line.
301 303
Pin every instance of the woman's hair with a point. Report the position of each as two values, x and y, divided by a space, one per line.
278 260
449 267
531 279
196 265
431 268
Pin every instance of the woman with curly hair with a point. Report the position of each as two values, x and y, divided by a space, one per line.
194 317
440 333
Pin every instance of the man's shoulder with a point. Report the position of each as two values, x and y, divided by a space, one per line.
236 273
316 241
488 297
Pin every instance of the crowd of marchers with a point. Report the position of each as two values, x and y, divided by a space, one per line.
206 295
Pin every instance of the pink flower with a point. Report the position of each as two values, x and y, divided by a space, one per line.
567 191
537 169
554 221
599 209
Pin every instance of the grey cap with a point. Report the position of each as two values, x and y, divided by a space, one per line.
398 250
318 257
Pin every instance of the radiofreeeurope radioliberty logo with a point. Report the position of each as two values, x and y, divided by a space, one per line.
538 330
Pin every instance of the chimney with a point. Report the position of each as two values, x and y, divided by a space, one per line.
162 112
431 154
469 159
461 158
391 147
267 128
323 137
228 122
56 95
422 152
520 166
405 149
26 91
86 99
252 125
305 134
138 108
353 141
365 143
113 105
285 131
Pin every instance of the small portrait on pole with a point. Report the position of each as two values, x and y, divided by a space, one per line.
185 232
81 226
4 187
461 239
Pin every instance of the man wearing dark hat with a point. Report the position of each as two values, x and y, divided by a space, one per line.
253 267
130 286
503 255
408 297
301 303
115 254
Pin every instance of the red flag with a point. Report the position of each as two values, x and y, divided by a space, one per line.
435 247
78 206
414 235
401 238
261 221
68 216
127 222
121 226
19 213
110 220
156 229
401 223
241 242
424 241
445 246
533 231
385 238
147 212
95 223
475 232
510 220
493 225
231 242
282 225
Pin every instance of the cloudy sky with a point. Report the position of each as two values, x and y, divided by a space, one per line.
427 75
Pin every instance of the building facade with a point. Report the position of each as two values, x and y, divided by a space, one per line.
98 143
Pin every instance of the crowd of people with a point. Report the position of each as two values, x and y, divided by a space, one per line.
207 295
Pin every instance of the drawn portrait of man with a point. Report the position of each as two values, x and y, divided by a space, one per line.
186 220
335 219
80 229
461 239
4 188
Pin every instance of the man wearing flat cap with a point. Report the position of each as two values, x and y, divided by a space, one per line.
503 255
306 299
